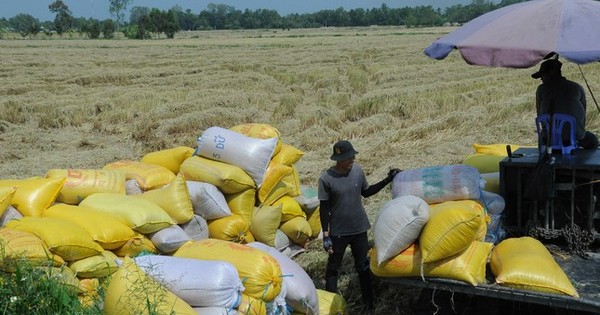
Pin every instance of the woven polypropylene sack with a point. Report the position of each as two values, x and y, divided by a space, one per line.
251 154
208 201
132 292
438 183
107 231
301 293
398 225
197 282
142 215
468 266
169 158
169 239
230 179
259 271
451 228
81 183
525 263
64 238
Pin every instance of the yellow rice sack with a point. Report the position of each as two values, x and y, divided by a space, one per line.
492 182
290 208
34 195
260 131
230 179
64 238
451 228
231 228
242 203
331 303
525 263
498 149
141 215
138 244
314 220
468 266
484 163
252 306
24 245
271 183
298 230
95 266
132 292
259 271
288 155
148 176
174 198
62 275
264 224
169 158
89 292
107 231
292 181
247 238
6 195
82 183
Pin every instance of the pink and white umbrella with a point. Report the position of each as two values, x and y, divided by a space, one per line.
522 34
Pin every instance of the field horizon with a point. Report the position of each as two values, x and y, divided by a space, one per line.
78 103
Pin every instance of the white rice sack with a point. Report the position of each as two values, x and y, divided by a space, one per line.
169 239
293 250
215 311
493 203
308 199
210 283
250 154
282 241
132 187
207 200
279 305
11 213
438 183
301 293
197 228
398 225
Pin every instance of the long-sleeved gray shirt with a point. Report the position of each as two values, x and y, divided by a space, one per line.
559 95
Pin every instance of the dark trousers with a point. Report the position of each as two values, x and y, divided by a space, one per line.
359 244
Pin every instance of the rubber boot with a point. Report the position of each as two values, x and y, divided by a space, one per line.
331 284
366 289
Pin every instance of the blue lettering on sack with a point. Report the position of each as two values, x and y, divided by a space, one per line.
219 144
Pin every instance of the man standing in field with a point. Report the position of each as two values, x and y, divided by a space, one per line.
344 219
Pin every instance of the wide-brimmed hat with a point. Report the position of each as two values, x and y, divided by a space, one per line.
548 66
343 150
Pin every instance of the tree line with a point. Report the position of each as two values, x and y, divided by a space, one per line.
146 23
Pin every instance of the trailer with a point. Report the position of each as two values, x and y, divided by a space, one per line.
576 181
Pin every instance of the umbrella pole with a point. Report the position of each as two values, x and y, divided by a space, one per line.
589 89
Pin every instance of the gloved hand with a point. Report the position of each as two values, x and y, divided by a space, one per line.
391 174
328 244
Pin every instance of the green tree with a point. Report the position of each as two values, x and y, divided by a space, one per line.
92 29
117 8
64 19
137 13
170 24
24 24
108 29
218 15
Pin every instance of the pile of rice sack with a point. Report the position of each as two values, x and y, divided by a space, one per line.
194 231
437 225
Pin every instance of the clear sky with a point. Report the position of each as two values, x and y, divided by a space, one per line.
99 8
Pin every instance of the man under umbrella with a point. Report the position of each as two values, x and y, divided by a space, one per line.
556 94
